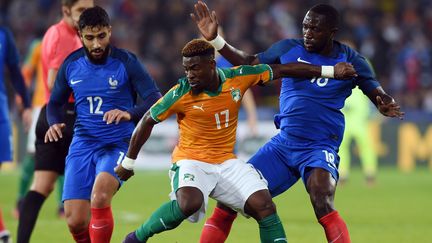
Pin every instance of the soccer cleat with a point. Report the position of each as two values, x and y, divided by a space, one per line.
5 237
131 238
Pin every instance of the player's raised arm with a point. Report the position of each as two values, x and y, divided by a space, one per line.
341 70
139 137
385 103
207 24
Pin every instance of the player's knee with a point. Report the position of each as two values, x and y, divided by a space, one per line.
322 201
189 207
190 200
100 199
76 223
260 205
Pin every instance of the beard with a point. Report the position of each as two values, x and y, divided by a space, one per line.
100 60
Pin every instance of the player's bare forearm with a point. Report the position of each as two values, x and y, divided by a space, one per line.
341 70
140 135
385 104
238 57
295 70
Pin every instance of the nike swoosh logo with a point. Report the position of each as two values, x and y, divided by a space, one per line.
335 239
75 81
210 225
303 61
98 227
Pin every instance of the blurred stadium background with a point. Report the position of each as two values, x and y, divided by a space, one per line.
395 35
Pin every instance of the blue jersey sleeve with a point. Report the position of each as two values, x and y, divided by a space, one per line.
272 54
222 62
144 85
12 62
59 96
366 79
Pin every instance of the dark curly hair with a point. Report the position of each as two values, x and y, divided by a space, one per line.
198 47
94 17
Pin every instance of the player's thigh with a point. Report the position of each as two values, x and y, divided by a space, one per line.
108 157
238 181
193 173
80 171
324 157
272 161
5 141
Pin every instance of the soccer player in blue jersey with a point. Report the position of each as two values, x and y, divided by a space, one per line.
105 82
310 121
9 58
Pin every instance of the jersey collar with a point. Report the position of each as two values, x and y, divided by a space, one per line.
222 78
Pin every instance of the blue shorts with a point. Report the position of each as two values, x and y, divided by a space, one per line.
5 142
282 161
86 159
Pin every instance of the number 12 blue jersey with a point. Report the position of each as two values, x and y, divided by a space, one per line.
101 88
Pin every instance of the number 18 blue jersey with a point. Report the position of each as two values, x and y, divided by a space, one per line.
310 108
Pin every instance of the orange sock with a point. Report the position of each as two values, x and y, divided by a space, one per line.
335 228
217 227
82 237
101 225
2 226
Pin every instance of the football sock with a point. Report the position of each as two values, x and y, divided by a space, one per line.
166 217
27 169
82 237
216 229
29 211
271 229
335 228
101 225
2 226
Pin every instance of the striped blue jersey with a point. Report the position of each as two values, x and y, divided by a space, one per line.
311 108
101 88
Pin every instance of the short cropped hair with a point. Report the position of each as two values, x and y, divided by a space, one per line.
69 3
94 17
330 13
198 47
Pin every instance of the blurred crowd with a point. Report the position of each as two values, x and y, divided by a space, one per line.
395 35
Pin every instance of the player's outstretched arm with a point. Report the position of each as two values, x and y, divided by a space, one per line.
385 104
207 24
341 70
139 137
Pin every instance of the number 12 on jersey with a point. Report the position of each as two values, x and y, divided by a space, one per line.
98 102
218 120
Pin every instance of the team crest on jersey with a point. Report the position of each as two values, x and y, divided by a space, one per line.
188 177
112 82
235 94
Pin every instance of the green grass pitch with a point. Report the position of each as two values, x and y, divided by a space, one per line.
397 209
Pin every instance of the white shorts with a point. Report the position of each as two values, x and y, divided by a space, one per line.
31 137
230 183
